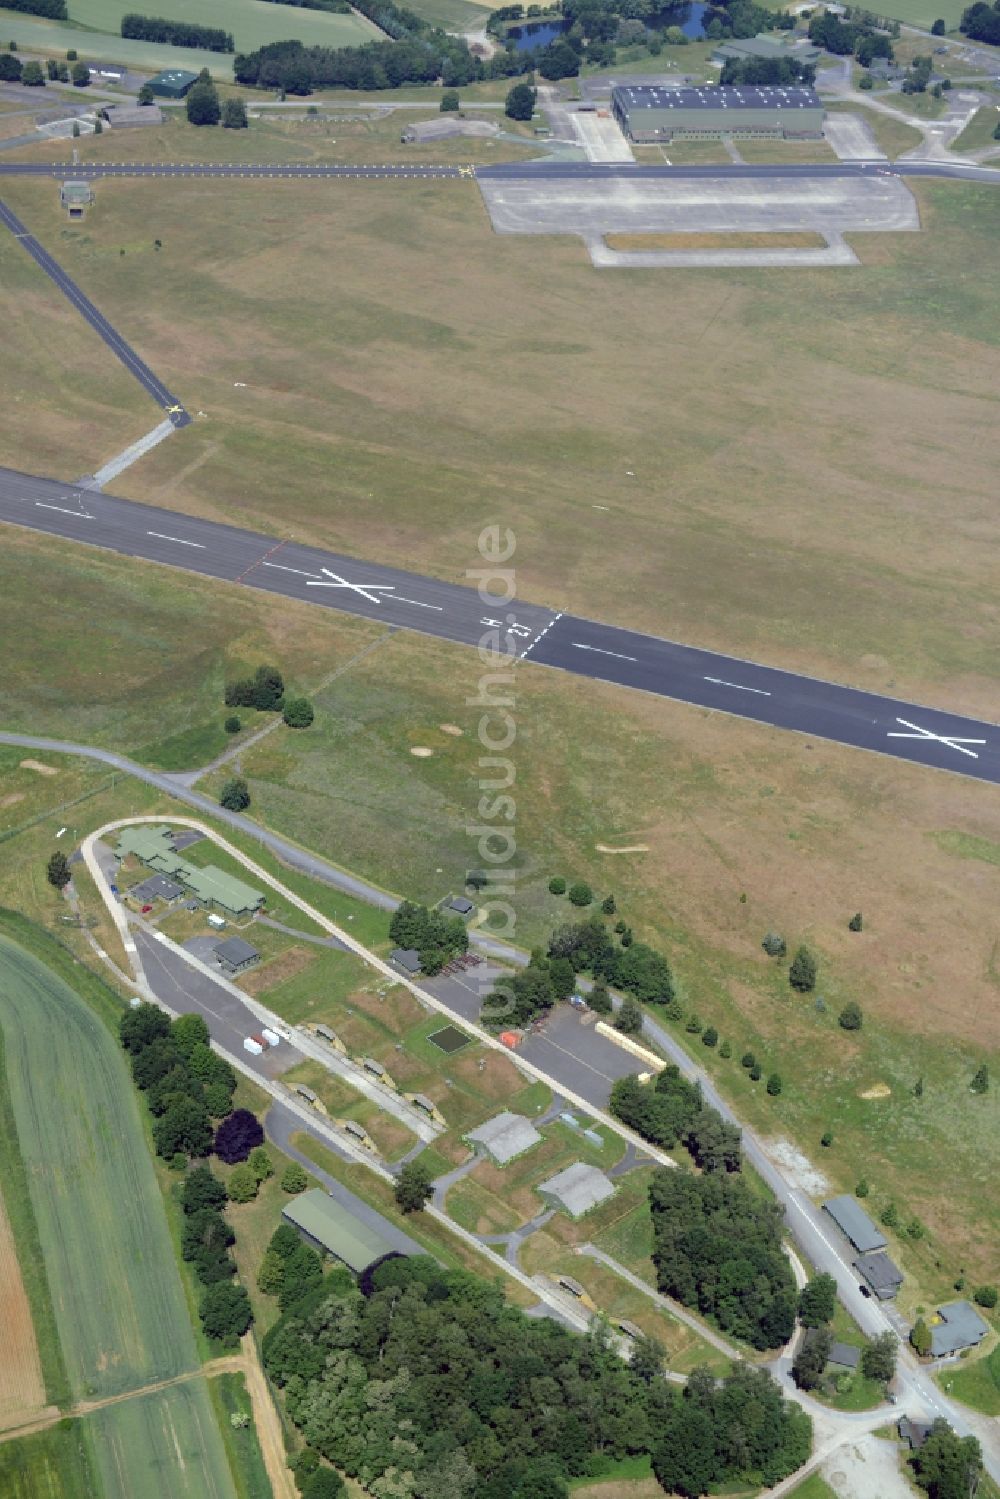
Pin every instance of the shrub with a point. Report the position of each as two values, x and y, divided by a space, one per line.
71 55
985 1296
693 1026
725 1050
747 1060
774 945
850 1017
202 104
981 1082
920 1337
826 1139
260 1163
802 973
774 1084
449 101
608 905
225 1313
580 894
299 713
855 923
599 999
243 1184
293 1178
756 1072
862 1189
57 871
234 115
629 1018
890 1215
235 795
709 1036
232 724
557 885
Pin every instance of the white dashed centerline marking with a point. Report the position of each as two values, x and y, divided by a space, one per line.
738 686
281 568
417 603
178 540
578 645
77 514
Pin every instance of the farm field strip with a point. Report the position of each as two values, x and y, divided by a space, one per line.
22 1388
172 1431
122 1317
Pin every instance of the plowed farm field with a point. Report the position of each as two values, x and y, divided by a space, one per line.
22 1389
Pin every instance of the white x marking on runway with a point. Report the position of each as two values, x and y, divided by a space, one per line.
951 740
334 580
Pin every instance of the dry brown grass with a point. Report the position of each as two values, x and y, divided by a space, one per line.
22 1390
681 241
827 507
285 966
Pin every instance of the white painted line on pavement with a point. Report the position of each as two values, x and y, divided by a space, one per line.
179 540
369 591
281 568
718 682
598 652
541 635
79 514
953 741
398 599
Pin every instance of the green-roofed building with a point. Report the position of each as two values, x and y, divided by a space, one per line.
173 83
153 845
349 1230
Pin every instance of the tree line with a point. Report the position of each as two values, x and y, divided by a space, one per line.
437 938
717 1248
53 10
176 33
673 1112
980 22
426 1383
337 7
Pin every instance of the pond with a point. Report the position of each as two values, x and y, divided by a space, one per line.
532 34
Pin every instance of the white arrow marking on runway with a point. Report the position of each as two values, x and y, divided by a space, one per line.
598 652
718 682
334 580
951 740
178 539
80 514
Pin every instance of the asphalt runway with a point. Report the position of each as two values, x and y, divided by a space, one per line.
510 170
525 631
136 367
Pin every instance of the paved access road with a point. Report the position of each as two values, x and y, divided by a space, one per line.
448 611
121 350
507 170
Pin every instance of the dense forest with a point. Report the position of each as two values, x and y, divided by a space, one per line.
430 1385
717 1247
673 1111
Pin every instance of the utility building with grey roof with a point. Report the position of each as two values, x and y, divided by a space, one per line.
577 1189
504 1138
647 113
855 1224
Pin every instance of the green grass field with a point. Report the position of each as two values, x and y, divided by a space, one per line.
980 130
53 1464
93 29
121 1317
976 1382
163 1443
229 1396
923 13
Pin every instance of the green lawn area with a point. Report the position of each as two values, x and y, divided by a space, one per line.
923 13
975 1382
54 1464
94 26
453 15
813 1487
228 1393
980 130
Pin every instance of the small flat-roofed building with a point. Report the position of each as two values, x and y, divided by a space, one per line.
306 1093
577 1190
844 1355
881 1274
460 905
355 1235
406 958
855 1224
961 1326
504 1138
630 1329
913 1433
235 955
572 1286
157 887
75 197
375 1068
130 116
173 83
652 114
